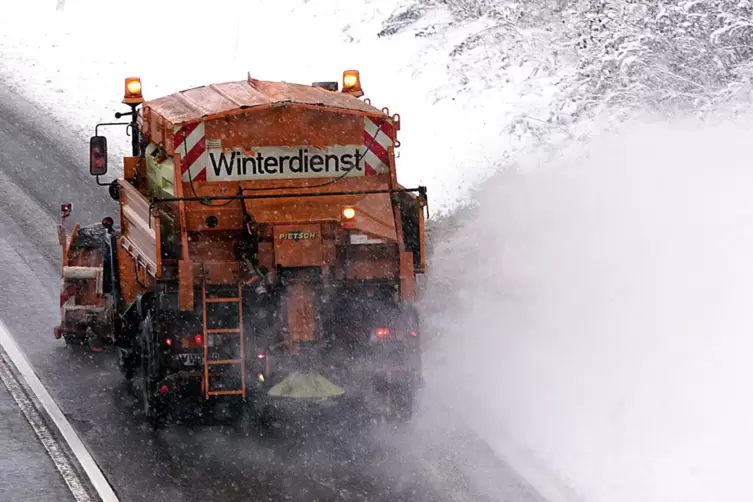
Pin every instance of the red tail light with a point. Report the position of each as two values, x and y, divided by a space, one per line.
260 355
169 342
192 341
164 389
383 333
387 335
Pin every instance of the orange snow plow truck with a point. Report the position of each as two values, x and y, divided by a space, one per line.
264 251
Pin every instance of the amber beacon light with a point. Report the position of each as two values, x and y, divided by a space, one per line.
352 83
347 216
349 213
132 94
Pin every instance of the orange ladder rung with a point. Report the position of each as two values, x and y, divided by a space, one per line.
225 393
223 300
219 331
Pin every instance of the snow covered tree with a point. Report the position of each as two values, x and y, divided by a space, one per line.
660 54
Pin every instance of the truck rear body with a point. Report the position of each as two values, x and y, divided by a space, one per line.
264 236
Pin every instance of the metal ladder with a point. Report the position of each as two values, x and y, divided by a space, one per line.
239 362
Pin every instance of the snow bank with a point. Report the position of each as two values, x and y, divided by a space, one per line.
453 136
598 312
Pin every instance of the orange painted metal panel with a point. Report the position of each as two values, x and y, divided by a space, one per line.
287 126
384 268
407 277
300 309
186 281
221 272
212 246
130 165
229 217
205 102
298 245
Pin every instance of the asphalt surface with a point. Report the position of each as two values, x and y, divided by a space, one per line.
26 469
433 458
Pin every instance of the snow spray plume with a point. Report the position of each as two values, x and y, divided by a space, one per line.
598 310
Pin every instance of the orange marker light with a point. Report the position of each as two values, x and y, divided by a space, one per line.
133 87
352 83
349 213
347 217
133 91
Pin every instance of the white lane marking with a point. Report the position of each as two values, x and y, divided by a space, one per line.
84 458
43 433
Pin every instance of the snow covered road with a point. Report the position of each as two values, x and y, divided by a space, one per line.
27 470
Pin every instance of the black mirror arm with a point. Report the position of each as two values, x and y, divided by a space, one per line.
103 184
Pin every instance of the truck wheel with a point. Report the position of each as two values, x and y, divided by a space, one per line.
149 371
126 363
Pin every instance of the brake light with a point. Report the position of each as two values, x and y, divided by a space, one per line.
260 355
192 341
169 342
387 335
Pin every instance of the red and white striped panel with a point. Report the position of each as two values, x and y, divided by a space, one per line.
67 295
378 137
190 142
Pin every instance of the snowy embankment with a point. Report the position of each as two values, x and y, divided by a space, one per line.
595 309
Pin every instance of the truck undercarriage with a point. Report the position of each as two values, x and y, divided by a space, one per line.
369 353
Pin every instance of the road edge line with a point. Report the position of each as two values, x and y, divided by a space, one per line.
77 447
42 431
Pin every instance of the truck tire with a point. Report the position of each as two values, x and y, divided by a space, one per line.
126 363
148 371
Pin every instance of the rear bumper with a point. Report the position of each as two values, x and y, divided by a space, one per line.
76 320
357 377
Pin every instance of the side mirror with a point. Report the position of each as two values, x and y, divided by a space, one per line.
98 155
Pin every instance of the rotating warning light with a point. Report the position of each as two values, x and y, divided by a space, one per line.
133 87
132 94
352 83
